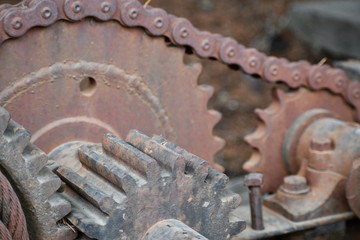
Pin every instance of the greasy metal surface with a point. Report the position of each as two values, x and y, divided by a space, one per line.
18 20
254 181
12 219
172 229
35 185
269 138
277 225
121 189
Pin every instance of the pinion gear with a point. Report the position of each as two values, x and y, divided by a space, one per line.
35 184
120 189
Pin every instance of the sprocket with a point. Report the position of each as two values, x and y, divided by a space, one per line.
269 138
121 189
95 76
35 184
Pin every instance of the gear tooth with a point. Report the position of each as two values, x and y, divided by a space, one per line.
251 164
4 120
166 157
231 199
215 116
35 159
219 143
195 165
163 155
279 95
87 190
137 139
106 169
59 207
236 227
207 90
132 156
216 179
49 183
17 136
262 114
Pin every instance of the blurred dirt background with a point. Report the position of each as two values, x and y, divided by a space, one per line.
260 24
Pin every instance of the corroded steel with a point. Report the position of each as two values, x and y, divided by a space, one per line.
121 189
273 150
326 152
17 20
172 229
12 219
81 80
254 181
35 184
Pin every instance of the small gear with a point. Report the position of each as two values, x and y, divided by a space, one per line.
268 139
121 189
25 167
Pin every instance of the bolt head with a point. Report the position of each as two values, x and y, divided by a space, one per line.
252 62
295 184
17 23
206 46
184 33
159 22
231 52
105 7
134 13
46 13
76 7
254 179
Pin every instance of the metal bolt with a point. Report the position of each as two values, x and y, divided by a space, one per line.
339 82
134 13
206 46
322 144
318 79
184 33
252 62
159 22
254 181
105 7
295 185
231 52
296 76
46 13
274 70
17 23
76 7
356 93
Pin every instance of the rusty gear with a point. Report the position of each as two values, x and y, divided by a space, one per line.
111 79
121 189
18 20
12 219
269 138
24 164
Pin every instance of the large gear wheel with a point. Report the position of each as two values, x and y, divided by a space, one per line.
35 184
82 79
119 190
269 138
